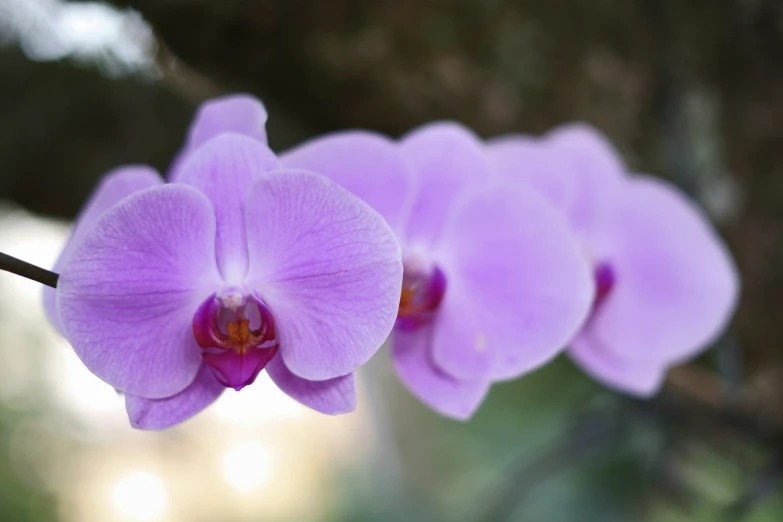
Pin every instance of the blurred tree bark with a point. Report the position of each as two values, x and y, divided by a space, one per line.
63 127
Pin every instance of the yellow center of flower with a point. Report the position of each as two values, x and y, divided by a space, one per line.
239 333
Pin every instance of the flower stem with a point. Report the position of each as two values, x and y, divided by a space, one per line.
25 269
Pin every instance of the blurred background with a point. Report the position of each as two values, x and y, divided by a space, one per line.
689 90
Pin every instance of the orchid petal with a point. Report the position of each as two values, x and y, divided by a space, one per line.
159 414
332 396
574 167
448 396
129 292
328 267
639 377
446 159
223 169
115 186
593 169
237 113
676 285
369 165
528 160
519 285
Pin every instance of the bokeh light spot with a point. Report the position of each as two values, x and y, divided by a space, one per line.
140 496
247 466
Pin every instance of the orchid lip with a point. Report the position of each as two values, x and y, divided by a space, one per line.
237 336
422 292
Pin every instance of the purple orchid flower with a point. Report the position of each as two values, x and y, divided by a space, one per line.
171 292
494 284
666 284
